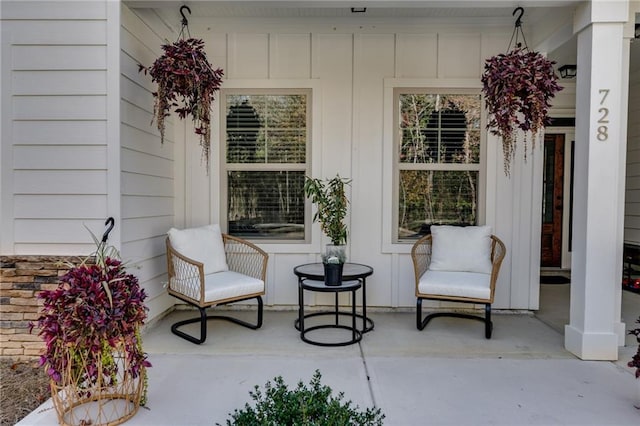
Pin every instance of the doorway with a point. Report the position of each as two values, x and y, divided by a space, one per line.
552 201
555 230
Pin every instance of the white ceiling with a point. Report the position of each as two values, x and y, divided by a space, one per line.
495 12
480 9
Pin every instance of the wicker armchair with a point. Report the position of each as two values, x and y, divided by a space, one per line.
455 286
191 282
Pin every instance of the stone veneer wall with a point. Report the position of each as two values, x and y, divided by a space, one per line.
21 279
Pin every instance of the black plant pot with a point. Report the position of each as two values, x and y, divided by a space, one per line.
333 274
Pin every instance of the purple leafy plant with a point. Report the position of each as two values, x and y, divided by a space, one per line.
187 82
518 87
96 310
635 360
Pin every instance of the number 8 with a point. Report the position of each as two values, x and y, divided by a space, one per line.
603 133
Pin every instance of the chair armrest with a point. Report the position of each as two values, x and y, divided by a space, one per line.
245 258
185 275
421 257
498 252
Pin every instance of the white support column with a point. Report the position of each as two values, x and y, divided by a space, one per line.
598 209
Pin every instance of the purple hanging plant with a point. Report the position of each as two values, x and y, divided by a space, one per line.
635 360
96 309
518 87
187 82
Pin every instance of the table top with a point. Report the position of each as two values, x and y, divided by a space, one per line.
316 285
350 271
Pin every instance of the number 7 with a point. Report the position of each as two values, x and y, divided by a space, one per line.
604 93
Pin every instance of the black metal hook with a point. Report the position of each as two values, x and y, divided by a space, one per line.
185 22
519 18
110 222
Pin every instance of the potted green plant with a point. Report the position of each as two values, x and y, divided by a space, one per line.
331 202
93 351
313 405
518 87
635 361
188 83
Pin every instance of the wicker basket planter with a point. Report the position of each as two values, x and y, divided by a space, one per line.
91 328
111 399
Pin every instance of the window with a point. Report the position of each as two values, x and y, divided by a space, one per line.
266 134
437 166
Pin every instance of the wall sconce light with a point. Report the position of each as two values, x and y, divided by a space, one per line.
358 9
568 71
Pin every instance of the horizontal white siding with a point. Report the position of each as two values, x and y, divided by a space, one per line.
62 31
61 157
59 107
59 57
54 129
61 183
147 166
58 10
59 132
81 206
59 82
57 231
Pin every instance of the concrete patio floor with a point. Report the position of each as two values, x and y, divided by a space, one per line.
448 374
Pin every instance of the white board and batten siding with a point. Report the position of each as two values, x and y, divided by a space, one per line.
632 195
350 70
55 118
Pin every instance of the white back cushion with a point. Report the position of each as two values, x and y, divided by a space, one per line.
203 244
461 249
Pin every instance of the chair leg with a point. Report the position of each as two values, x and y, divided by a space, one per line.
203 328
488 324
203 323
419 323
422 323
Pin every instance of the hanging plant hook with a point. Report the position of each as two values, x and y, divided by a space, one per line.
110 222
519 18
185 22
517 30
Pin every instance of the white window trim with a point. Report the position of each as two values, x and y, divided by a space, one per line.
217 148
389 245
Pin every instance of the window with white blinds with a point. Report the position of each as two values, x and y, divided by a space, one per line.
437 164
266 135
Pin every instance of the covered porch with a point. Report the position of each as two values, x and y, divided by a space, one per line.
78 146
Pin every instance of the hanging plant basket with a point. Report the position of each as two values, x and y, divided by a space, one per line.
518 87
98 391
187 83
91 328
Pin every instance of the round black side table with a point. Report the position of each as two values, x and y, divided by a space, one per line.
319 286
350 271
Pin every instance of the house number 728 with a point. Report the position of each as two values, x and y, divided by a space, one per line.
603 121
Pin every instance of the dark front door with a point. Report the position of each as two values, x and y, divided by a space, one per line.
552 187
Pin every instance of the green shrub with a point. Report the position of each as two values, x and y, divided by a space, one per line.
309 406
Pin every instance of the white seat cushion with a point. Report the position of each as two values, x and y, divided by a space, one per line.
463 249
461 284
229 284
203 244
